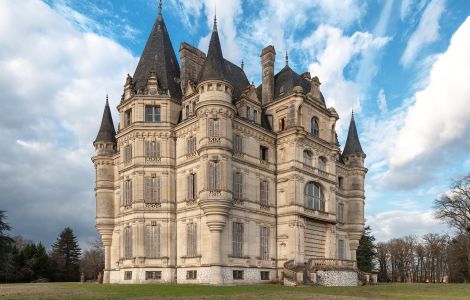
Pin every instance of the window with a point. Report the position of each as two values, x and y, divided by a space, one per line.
128 117
194 107
264 275
314 124
214 175
152 113
214 127
128 275
281 90
248 113
191 243
152 189
192 187
127 153
191 275
263 193
340 213
187 111
264 243
153 275
237 143
237 186
313 196
322 163
340 182
255 115
263 153
127 192
237 239
282 124
152 149
341 250
307 158
237 275
152 241
127 242
191 144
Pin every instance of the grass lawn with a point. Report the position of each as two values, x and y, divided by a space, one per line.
266 291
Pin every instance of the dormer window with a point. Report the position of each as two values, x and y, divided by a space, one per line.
281 90
282 124
322 163
248 113
128 117
152 113
255 115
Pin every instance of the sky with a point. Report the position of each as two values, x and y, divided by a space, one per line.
403 66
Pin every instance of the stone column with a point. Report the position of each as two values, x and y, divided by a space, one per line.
216 223
107 258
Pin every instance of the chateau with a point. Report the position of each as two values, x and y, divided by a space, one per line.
210 179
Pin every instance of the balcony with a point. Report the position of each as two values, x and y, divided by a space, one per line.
331 264
318 172
214 140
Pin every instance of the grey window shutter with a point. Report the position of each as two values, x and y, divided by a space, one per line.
157 149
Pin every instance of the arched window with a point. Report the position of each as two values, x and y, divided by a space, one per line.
313 196
307 158
322 163
315 129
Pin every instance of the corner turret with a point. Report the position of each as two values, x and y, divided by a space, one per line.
105 142
353 155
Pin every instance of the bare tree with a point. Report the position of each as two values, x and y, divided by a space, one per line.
92 260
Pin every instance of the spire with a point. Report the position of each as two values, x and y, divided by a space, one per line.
214 65
159 57
353 146
107 133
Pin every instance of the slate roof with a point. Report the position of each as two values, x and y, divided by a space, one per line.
353 145
214 66
159 56
107 133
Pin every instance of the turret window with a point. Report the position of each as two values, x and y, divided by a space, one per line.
307 158
127 192
152 241
237 186
152 113
214 127
214 176
237 143
313 196
315 129
152 149
152 189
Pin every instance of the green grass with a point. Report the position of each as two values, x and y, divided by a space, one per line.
265 291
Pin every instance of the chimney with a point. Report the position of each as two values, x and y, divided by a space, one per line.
268 56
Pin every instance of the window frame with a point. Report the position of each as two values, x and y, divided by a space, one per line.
153 116
237 239
314 197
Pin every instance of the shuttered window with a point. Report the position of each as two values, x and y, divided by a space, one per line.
152 241
191 243
237 143
341 213
341 249
214 128
128 153
237 239
191 144
264 243
152 189
214 175
263 192
152 149
192 186
127 239
127 192
237 186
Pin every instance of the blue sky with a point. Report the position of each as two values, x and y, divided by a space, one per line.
403 65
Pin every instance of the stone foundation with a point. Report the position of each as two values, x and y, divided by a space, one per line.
337 278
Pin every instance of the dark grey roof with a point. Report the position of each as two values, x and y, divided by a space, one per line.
107 133
214 66
237 77
353 146
159 56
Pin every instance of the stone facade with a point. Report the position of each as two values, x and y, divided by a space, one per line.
228 182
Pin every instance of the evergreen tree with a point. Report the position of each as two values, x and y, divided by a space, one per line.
366 251
65 257
5 244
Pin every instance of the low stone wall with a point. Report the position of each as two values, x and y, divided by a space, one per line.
337 278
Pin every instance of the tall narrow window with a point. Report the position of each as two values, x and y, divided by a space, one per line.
322 163
340 213
313 196
341 249
264 243
237 239
340 182
194 107
191 144
214 175
192 187
263 153
237 143
127 192
128 153
214 128
127 239
282 124
152 149
152 113
187 111
152 241
237 186
255 115
307 158
248 113
315 129
263 192
191 243
128 117
152 189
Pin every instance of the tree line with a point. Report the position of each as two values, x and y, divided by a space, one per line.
25 261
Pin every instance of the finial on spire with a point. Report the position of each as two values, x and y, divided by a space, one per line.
107 101
215 20
287 58
243 64
160 7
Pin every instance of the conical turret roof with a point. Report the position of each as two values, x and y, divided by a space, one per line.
107 133
353 145
214 67
159 57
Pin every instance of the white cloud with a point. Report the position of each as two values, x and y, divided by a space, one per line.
53 81
382 102
426 33
399 223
